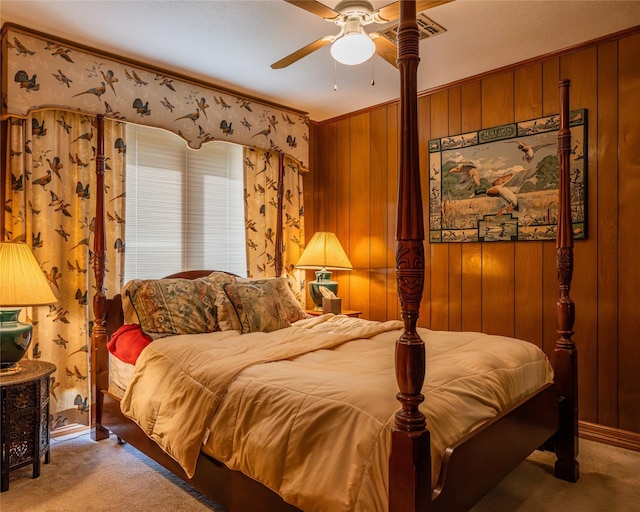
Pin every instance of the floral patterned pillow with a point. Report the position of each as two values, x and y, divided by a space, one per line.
227 318
257 305
293 309
129 312
173 306
219 279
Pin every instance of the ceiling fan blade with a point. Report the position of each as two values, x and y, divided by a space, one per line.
391 12
385 48
317 8
303 52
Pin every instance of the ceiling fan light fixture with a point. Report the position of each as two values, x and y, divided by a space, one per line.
354 47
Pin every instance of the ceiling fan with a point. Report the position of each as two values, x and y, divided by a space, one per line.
353 45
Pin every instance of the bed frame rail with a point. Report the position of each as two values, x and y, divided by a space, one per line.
231 489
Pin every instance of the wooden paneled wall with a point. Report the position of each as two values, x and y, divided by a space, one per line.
507 288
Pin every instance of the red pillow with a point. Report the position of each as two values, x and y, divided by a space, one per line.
127 343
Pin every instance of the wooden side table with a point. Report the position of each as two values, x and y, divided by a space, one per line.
346 312
24 425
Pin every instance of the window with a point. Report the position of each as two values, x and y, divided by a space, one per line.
184 208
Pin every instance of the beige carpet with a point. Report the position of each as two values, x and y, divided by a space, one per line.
89 477
609 482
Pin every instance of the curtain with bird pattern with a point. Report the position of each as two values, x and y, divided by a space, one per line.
49 204
261 217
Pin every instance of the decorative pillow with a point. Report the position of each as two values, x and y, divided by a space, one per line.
127 343
173 306
129 312
219 279
227 317
258 307
293 309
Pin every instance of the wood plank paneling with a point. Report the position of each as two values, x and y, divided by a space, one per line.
629 239
378 217
424 134
581 68
439 253
509 288
471 253
498 264
455 250
327 215
528 255
357 239
342 198
393 120
550 106
319 183
607 233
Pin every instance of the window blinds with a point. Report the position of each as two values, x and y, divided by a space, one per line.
184 208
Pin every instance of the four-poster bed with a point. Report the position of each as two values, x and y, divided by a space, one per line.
546 415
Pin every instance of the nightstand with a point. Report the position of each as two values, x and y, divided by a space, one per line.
346 312
24 427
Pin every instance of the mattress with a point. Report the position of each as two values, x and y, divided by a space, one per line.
119 375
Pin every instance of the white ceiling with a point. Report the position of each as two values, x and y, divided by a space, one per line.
232 43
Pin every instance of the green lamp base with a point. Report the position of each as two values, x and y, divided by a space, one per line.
15 338
323 278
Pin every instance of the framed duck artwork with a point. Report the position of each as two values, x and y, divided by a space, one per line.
501 184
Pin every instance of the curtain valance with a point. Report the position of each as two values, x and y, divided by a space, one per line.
41 72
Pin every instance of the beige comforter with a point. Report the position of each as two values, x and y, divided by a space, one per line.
311 423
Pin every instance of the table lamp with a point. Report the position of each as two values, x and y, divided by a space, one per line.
22 283
324 253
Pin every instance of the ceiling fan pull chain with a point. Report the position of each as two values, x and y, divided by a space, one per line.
373 80
335 74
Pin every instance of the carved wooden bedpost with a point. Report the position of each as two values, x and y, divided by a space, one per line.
410 464
565 353
99 333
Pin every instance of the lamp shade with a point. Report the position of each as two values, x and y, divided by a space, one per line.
355 46
324 252
22 282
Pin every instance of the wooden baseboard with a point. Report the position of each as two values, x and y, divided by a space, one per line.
609 435
74 428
